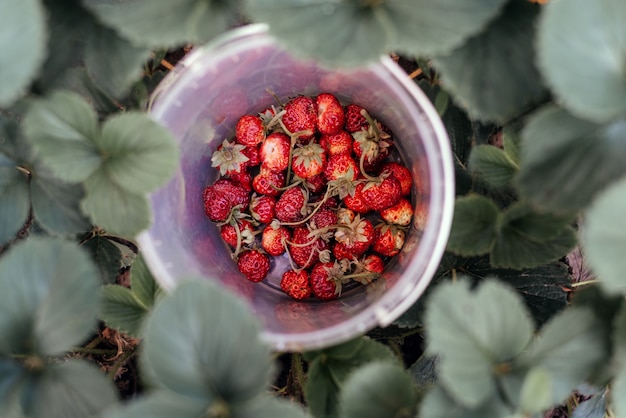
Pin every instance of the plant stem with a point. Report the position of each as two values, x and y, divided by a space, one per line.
93 351
126 355
297 371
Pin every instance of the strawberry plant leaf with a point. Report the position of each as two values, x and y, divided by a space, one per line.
114 208
567 161
107 257
268 406
76 389
543 288
378 389
166 23
439 404
120 309
514 249
493 75
424 370
472 332
56 204
141 154
14 199
143 285
160 404
570 348
562 46
22 38
493 164
535 395
473 225
603 237
113 62
38 311
330 368
215 357
61 129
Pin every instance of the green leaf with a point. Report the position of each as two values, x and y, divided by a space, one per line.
494 164
473 225
160 404
166 23
424 370
592 408
114 208
618 389
141 155
536 393
14 199
562 47
329 369
512 143
46 282
22 42
113 62
11 375
76 389
120 309
493 74
439 404
570 347
61 129
142 283
566 161
107 257
603 237
56 204
378 389
534 224
216 340
267 406
472 332
543 288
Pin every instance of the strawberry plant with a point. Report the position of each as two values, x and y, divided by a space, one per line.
524 317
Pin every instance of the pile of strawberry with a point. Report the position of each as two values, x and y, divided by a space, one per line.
313 181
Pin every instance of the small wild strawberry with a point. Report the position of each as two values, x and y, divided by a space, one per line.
236 194
240 230
402 173
308 161
339 143
262 208
355 121
399 214
316 184
296 284
275 152
323 283
229 158
324 218
254 155
249 130
274 241
382 193
254 264
356 201
341 166
330 116
216 205
291 205
242 178
301 115
305 250
268 182
367 269
389 240
353 239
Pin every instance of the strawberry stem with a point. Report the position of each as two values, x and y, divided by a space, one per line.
313 212
362 168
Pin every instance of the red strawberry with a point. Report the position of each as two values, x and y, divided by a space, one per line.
301 115
341 166
373 153
356 201
229 233
236 194
399 214
368 269
268 182
249 130
323 283
382 193
355 121
291 205
339 143
262 208
354 238
316 184
216 205
330 116
254 264
373 263
308 161
274 241
296 284
229 158
323 218
275 152
303 249
402 173
389 240
253 154
242 178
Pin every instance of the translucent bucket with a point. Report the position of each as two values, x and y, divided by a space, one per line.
200 103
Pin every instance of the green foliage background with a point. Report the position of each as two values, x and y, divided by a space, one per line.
534 101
